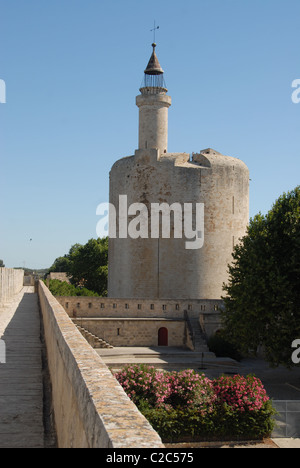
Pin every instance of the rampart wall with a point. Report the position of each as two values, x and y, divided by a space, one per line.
135 322
11 283
90 407
84 306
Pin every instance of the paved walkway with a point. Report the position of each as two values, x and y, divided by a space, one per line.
21 382
21 378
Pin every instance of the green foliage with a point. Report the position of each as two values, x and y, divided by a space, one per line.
186 405
89 265
179 424
61 264
2 264
62 288
86 265
219 345
262 305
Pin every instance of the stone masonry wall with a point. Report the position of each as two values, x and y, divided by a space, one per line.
162 267
98 307
135 322
135 331
11 283
91 409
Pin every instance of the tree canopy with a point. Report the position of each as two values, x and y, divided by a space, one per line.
262 305
86 265
62 288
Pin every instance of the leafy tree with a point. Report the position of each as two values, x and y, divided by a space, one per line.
89 266
61 264
62 288
262 305
86 265
2 264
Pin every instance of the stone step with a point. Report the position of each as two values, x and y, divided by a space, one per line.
199 338
93 340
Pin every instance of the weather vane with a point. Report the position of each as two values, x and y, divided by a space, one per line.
154 30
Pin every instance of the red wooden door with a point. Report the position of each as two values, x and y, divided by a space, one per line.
163 337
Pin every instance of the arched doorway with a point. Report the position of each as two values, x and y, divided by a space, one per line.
163 337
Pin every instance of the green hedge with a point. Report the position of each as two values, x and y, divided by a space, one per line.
186 406
62 288
184 424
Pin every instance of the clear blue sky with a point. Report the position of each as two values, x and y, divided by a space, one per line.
72 69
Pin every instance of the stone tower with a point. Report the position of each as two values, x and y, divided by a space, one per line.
158 265
153 104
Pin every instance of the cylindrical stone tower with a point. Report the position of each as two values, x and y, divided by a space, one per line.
153 104
144 263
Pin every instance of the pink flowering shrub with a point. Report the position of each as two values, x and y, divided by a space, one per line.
139 382
167 389
240 393
187 404
187 389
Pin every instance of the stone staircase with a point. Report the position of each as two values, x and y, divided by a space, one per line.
199 339
196 334
93 340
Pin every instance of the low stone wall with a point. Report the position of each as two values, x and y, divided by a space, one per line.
90 407
163 308
134 313
135 331
29 280
58 276
11 283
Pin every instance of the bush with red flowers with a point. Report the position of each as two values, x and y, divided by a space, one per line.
240 393
187 405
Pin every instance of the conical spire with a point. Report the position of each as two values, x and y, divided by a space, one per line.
153 67
153 82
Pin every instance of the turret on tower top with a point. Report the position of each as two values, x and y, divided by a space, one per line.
153 82
153 67
153 104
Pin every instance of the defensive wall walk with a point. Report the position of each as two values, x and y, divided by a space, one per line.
21 381
90 408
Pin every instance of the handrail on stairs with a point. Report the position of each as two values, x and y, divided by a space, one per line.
189 325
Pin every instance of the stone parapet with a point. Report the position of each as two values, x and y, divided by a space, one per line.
91 409
136 322
11 283
101 307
